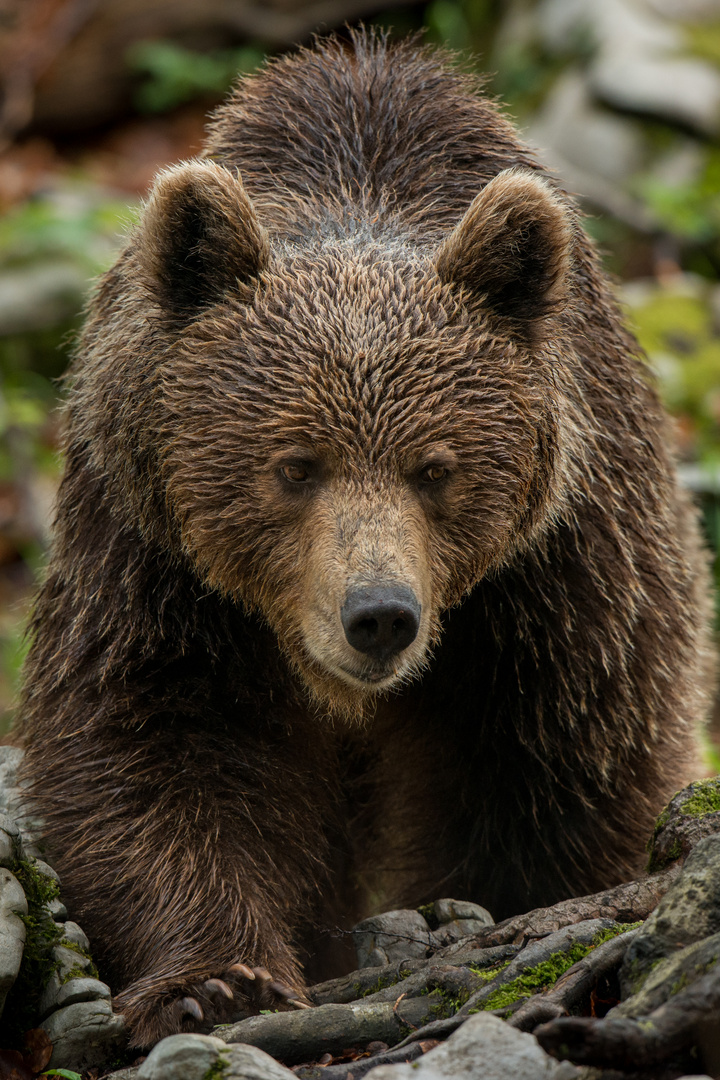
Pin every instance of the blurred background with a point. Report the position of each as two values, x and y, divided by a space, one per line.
621 98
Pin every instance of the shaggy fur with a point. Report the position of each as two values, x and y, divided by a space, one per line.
363 343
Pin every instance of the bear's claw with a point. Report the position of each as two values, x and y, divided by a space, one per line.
188 1006
218 987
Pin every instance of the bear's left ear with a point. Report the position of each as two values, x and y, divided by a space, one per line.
512 249
198 238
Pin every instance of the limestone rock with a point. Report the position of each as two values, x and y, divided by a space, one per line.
392 936
12 930
57 995
447 910
84 1035
484 1048
691 815
11 845
571 128
689 912
182 1057
73 933
249 1063
10 758
192 1057
668 976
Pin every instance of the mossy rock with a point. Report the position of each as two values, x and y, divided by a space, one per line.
689 817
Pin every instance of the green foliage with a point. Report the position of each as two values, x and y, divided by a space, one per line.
65 1073
175 75
689 210
678 333
74 224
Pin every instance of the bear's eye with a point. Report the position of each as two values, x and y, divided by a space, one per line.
295 472
433 474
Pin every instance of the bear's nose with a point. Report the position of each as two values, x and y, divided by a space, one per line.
381 620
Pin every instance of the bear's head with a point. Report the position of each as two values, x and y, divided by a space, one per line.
353 430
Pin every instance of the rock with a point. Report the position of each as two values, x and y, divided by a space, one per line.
12 930
58 911
46 869
684 91
57 995
392 936
640 62
669 976
689 912
11 846
76 936
36 297
84 1035
195 1057
447 911
249 1063
183 1057
687 11
570 128
484 1048
71 963
10 758
691 815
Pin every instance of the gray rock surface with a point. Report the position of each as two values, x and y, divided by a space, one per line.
405 934
484 1048
691 815
570 128
75 935
640 61
392 936
689 912
182 1057
84 1035
10 758
11 845
448 910
12 930
249 1063
57 995
190 1057
670 975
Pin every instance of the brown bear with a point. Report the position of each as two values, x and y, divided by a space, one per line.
371 579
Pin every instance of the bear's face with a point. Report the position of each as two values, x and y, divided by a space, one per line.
352 437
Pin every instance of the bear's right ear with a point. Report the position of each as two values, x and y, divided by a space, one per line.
198 238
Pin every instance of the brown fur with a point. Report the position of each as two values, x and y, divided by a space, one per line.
368 276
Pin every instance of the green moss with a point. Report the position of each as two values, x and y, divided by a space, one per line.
428 913
614 931
705 799
76 972
219 1068
89 970
38 963
379 984
443 1005
548 972
487 974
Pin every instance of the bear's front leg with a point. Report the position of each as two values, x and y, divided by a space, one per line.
189 859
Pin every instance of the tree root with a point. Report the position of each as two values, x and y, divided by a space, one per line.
687 1018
